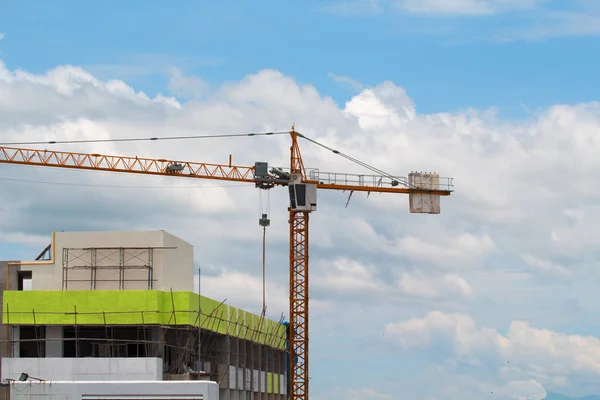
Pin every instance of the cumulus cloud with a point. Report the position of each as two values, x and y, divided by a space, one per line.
551 357
347 276
354 280
187 86
244 290
523 206
522 390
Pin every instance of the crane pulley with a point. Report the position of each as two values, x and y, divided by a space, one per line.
424 190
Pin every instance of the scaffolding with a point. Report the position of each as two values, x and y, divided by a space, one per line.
93 265
184 349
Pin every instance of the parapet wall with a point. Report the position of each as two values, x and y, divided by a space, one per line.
139 307
84 369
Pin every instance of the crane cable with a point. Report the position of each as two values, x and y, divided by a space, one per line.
401 180
264 222
250 134
264 272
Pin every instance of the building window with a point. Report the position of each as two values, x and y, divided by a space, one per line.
24 280
105 341
32 341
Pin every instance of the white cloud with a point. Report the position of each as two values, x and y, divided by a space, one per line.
461 330
443 382
243 290
449 251
432 7
522 188
452 7
347 81
150 64
187 86
531 352
366 393
21 238
466 7
352 7
362 393
539 22
522 390
444 286
551 24
1 35
547 267
344 275
381 106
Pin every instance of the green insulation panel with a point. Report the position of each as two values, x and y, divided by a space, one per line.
137 307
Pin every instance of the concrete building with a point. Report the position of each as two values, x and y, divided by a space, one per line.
114 390
120 306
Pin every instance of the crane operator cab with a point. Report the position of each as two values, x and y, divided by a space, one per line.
303 196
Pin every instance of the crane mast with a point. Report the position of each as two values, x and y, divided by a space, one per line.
424 191
298 283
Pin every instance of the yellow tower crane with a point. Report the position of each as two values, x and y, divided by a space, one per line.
424 190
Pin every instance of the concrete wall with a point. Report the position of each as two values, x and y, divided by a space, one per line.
54 343
166 390
178 270
84 369
173 268
7 269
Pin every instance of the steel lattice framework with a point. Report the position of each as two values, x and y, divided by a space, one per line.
299 303
137 165
298 286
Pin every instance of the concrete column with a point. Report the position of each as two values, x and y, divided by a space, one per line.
54 341
227 362
15 335
158 335
272 395
282 370
235 360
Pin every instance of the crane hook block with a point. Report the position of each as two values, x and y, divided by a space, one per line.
264 221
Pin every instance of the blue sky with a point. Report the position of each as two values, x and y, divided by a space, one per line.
438 306
445 62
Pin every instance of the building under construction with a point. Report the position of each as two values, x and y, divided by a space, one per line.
99 306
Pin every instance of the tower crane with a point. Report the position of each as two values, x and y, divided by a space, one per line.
424 190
